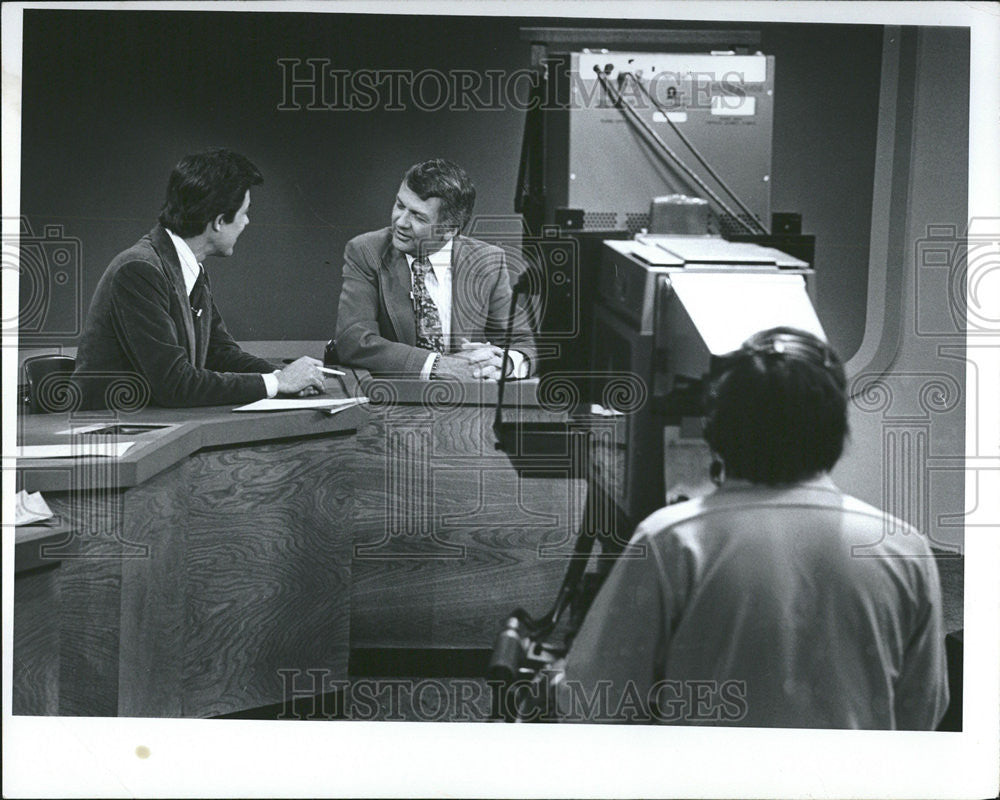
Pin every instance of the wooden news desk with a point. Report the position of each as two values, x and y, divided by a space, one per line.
188 572
450 536
195 574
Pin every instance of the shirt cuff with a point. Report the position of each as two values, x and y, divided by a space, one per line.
425 373
519 364
270 382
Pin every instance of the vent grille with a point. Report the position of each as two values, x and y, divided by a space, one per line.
600 220
635 221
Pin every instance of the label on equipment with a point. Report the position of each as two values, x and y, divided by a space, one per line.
732 105
673 116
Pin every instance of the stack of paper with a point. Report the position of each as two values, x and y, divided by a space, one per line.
327 404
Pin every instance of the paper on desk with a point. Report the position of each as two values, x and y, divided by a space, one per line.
74 450
83 429
327 404
30 508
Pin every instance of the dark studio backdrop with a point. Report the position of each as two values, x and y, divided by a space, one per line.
111 100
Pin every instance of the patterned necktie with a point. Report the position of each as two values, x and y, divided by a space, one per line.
430 334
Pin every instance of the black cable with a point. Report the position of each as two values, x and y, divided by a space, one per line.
696 153
621 105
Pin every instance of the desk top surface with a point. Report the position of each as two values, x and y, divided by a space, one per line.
187 430
183 432
386 390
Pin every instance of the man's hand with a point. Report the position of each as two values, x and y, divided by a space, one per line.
301 377
457 368
485 359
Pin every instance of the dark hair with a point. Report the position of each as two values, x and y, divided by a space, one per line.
447 180
777 413
204 185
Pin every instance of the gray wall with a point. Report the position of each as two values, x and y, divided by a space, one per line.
111 100
907 449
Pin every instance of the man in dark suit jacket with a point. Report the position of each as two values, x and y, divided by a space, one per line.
153 316
381 311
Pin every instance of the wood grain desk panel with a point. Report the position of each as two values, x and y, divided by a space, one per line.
36 643
36 626
232 547
267 567
185 594
448 535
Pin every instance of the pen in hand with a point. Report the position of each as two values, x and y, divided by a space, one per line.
326 370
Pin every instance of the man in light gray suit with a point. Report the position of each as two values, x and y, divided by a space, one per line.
420 299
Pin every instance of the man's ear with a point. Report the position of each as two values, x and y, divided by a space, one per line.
217 223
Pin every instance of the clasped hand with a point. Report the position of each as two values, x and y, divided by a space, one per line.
474 361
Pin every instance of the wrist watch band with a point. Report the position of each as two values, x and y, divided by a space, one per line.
435 365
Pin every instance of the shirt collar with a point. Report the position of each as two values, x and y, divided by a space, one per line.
821 480
190 268
440 259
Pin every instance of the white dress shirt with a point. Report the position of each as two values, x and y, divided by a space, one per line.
191 269
438 283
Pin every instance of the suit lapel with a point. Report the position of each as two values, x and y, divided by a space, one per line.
172 267
395 279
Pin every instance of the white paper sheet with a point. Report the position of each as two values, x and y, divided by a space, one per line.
726 308
292 404
83 429
74 450
30 508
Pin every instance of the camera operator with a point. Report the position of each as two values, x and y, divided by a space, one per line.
777 600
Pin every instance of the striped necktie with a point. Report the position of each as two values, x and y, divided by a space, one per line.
430 334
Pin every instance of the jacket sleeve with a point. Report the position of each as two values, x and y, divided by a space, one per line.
140 309
358 340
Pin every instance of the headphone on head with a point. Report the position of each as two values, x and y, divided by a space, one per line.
775 343
788 343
